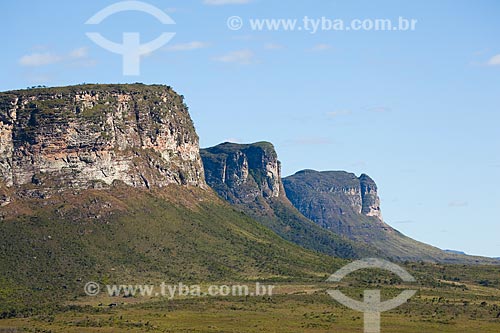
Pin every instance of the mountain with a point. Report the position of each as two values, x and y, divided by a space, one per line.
105 183
85 136
350 206
249 177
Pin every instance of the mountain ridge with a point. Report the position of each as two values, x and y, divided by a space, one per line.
62 225
249 177
334 200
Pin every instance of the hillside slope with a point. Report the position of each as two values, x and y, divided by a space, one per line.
49 248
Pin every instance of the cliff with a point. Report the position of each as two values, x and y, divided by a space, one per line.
241 173
92 135
350 206
249 177
334 198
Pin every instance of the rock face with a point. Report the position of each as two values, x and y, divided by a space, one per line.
349 206
249 177
91 135
243 173
334 198
369 197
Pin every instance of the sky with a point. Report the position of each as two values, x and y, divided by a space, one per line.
417 110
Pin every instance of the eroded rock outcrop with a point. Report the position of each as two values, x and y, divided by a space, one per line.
92 135
334 199
249 177
243 172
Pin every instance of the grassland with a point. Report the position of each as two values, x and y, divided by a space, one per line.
293 308
49 251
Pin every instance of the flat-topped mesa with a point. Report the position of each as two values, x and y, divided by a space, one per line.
86 135
344 191
249 177
243 172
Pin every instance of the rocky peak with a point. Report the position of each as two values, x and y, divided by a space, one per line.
242 172
369 197
91 135
342 192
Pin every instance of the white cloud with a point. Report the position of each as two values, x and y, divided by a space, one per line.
274 46
494 61
378 109
187 46
226 2
39 59
321 47
81 52
338 113
243 57
458 203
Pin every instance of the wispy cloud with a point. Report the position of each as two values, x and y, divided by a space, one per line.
458 203
321 47
226 2
494 61
378 109
274 46
39 59
243 57
187 46
79 53
337 113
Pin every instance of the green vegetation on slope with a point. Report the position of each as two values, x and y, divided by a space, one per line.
50 248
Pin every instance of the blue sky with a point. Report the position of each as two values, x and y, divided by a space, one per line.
418 111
